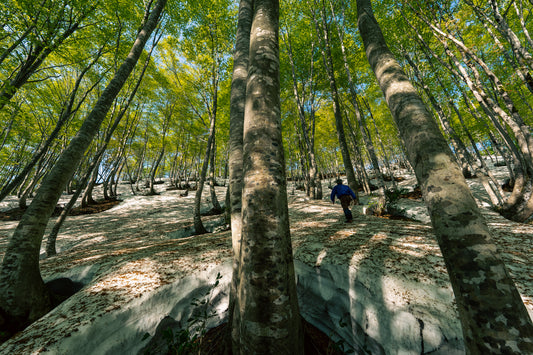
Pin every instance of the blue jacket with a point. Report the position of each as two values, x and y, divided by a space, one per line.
341 190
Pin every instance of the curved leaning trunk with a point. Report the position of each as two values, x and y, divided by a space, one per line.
23 297
492 314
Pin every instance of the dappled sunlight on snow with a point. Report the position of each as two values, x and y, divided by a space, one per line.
394 272
135 278
414 246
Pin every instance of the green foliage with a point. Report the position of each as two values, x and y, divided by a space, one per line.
392 195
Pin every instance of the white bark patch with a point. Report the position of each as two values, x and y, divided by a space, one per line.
501 318
282 299
484 251
513 345
440 160
399 87
476 280
264 33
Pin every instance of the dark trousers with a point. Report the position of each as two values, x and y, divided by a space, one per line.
345 203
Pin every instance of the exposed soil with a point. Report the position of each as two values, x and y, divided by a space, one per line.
15 214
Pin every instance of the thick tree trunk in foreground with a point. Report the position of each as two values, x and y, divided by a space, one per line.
238 96
269 320
492 314
23 297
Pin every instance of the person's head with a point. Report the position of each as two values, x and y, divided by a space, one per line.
339 181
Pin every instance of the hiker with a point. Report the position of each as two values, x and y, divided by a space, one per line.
345 195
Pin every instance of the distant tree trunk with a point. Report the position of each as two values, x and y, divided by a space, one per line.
7 129
365 134
140 164
41 48
41 151
154 171
385 155
308 137
23 297
328 64
197 217
459 147
490 183
87 198
490 308
241 58
212 181
214 109
363 178
52 237
269 316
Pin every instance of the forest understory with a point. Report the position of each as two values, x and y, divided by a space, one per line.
129 252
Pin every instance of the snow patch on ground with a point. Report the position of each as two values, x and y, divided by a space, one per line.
378 285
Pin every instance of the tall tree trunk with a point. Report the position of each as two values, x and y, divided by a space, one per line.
140 164
214 109
7 129
23 297
197 217
212 181
267 303
241 57
492 314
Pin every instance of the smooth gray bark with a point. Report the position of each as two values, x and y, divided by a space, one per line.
266 301
197 218
241 59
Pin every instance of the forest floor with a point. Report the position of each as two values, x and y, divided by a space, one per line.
137 247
